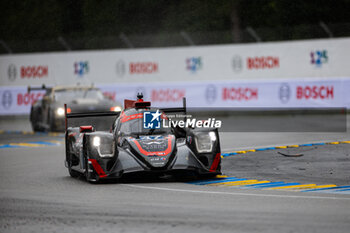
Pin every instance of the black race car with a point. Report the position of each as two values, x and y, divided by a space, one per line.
129 148
47 114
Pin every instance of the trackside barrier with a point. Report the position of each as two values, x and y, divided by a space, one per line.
283 93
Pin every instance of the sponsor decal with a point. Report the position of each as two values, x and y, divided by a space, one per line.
239 94
120 68
12 72
151 137
34 71
81 68
189 139
167 95
269 62
6 99
237 63
153 145
28 98
156 158
319 57
284 93
193 64
151 120
125 118
143 67
210 93
315 92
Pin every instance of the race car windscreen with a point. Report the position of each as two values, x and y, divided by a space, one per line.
136 126
69 95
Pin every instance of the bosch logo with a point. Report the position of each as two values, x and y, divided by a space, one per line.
12 72
315 92
239 94
284 93
255 63
28 98
143 67
210 94
237 64
34 71
168 95
120 68
193 64
6 99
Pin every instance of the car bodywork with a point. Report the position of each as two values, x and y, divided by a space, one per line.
128 149
47 114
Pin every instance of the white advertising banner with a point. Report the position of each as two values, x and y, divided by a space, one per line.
285 93
319 59
16 100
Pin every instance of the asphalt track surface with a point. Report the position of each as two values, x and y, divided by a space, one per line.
37 194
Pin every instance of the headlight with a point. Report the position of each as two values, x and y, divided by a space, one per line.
104 146
116 109
205 141
60 111
96 141
212 136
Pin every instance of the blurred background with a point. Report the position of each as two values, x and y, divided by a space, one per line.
268 54
52 25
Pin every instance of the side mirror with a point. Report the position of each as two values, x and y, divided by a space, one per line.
120 138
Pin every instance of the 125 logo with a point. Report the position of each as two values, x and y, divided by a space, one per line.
194 64
81 68
319 57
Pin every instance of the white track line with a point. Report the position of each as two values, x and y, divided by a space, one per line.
232 193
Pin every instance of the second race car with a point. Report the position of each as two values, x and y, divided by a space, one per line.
47 114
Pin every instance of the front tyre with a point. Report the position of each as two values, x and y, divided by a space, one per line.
35 119
72 173
89 172
35 127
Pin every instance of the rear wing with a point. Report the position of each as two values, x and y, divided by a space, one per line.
43 87
97 114
171 110
85 114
